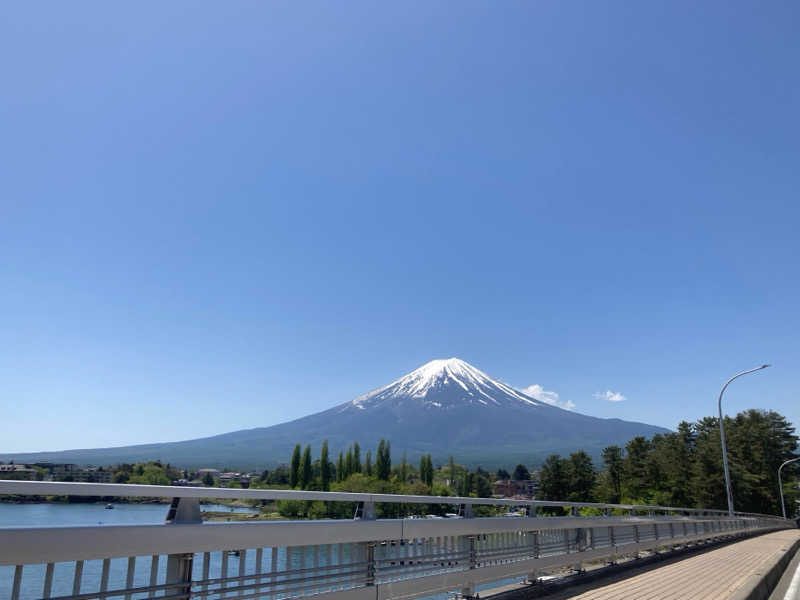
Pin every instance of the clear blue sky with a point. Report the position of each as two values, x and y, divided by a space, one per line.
226 215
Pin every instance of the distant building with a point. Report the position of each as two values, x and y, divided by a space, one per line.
203 472
510 488
23 472
242 478
58 471
92 475
187 483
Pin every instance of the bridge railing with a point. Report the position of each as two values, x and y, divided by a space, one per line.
372 558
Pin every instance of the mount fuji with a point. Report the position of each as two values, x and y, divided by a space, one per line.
445 407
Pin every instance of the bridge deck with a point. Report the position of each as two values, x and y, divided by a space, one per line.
726 573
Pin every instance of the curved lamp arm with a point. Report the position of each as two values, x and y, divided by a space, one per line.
780 484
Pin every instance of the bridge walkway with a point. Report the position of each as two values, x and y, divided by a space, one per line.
738 571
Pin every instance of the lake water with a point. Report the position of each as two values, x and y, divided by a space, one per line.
63 514
48 514
52 514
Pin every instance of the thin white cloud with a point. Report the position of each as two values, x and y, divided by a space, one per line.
537 392
610 396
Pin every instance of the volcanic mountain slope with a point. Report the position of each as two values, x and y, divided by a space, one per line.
444 407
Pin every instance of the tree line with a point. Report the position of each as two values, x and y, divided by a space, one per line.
307 473
681 468
684 468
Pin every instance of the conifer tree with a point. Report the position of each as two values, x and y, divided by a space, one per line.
305 468
521 473
348 463
429 473
581 477
356 458
404 469
368 465
340 467
383 462
612 459
325 467
423 469
294 469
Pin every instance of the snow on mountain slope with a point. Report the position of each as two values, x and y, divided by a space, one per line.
444 383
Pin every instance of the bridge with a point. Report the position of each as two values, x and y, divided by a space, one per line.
360 559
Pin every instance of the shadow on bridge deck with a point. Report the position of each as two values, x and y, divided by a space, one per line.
743 570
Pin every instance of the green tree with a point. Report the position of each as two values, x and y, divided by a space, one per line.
340 467
356 458
325 467
349 468
208 480
426 469
612 460
403 469
481 486
582 477
305 468
465 483
384 460
521 473
368 466
503 474
294 469
635 467
554 478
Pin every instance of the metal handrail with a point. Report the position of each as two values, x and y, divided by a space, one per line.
66 488
329 558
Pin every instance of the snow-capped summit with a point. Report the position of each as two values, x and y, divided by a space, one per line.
444 383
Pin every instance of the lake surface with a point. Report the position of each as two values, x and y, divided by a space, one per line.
63 514
53 514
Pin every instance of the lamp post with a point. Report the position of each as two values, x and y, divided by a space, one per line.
722 436
780 484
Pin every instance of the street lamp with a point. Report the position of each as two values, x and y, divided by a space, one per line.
780 485
722 436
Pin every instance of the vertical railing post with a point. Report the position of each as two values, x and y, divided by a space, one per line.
365 511
467 589
179 572
612 542
533 576
473 553
182 511
15 586
370 564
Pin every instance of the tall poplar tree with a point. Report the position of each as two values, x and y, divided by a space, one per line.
356 458
424 476
404 469
429 472
340 467
383 462
368 465
348 463
612 459
294 469
305 468
325 467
